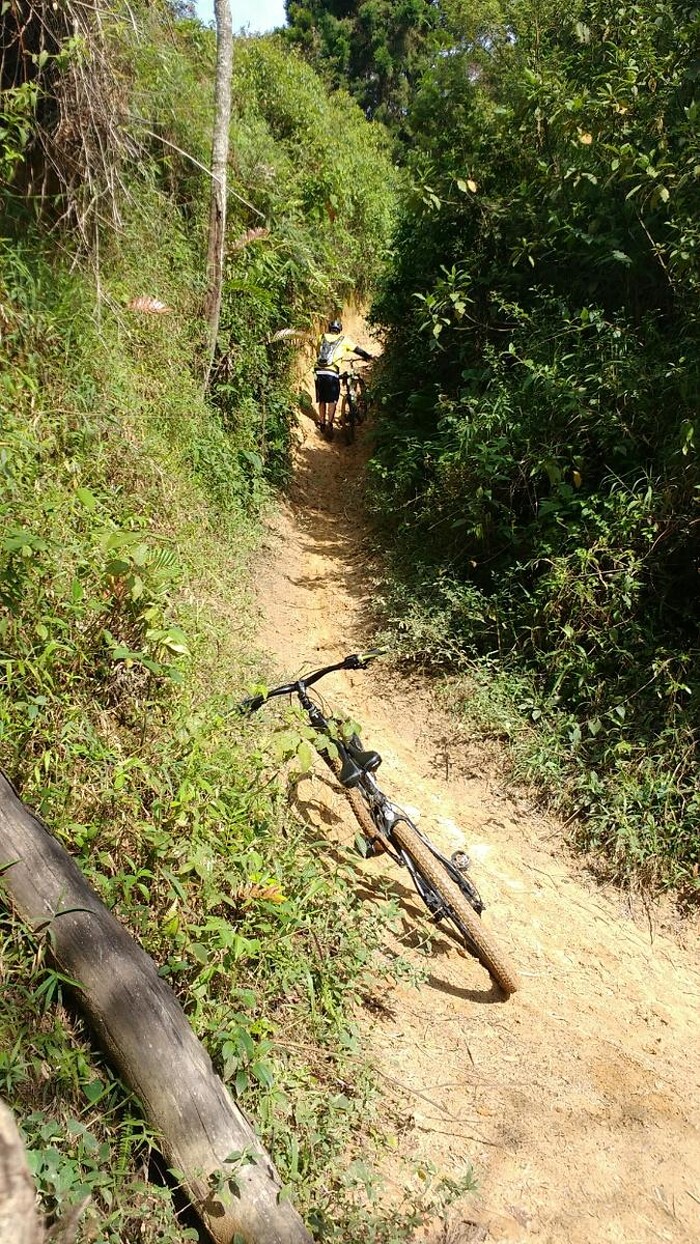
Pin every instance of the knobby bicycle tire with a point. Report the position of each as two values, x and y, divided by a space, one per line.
461 912
361 400
355 800
477 939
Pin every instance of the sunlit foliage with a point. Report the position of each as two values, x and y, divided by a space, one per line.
538 446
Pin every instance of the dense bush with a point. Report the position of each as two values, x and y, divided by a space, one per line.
537 448
376 49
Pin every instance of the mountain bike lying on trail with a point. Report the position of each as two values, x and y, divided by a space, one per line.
354 403
443 885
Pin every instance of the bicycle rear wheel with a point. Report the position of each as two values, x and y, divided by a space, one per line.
361 400
478 941
472 932
354 798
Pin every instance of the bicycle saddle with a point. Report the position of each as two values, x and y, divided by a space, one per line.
356 761
368 761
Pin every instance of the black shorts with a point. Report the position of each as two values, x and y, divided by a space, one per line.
327 387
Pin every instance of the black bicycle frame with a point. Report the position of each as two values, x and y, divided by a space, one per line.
379 805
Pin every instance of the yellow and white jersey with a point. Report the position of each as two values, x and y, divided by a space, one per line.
343 348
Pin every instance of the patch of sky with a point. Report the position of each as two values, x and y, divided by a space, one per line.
253 16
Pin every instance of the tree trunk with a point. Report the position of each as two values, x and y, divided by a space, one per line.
142 1027
219 167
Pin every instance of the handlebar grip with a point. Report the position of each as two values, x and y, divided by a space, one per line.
358 660
252 704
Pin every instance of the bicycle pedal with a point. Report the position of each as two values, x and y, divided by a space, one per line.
461 861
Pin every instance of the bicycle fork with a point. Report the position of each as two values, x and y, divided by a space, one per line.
456 868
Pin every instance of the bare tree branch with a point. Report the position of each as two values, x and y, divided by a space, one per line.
219 163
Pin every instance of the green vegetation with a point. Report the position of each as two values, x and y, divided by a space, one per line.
377 49
536 464
321 182
537 456
128 511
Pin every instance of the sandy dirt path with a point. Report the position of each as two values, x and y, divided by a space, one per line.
578 1100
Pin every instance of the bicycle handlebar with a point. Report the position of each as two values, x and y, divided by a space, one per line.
354 661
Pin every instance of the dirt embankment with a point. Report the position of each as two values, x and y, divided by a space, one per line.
577 1101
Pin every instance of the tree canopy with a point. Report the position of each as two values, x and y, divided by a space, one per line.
377 49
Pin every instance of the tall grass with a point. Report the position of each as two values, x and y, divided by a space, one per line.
129 509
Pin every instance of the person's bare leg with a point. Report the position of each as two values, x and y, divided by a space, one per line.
322 415
331 414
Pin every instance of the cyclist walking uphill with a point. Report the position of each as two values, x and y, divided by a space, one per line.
333 349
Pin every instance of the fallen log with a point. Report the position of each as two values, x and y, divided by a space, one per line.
145 1032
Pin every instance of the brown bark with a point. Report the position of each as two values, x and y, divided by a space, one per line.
219 165
19 1222
143 1029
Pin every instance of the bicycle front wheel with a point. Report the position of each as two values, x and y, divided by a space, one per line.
477 940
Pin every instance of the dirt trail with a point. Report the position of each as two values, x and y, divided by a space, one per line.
578 1100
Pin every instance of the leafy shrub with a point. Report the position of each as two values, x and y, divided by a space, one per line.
319 188
537 444
128 509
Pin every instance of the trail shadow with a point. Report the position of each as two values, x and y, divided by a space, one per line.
327 494
493 994
312 810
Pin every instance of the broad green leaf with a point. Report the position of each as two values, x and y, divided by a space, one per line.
87 499
305 756
93 1090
